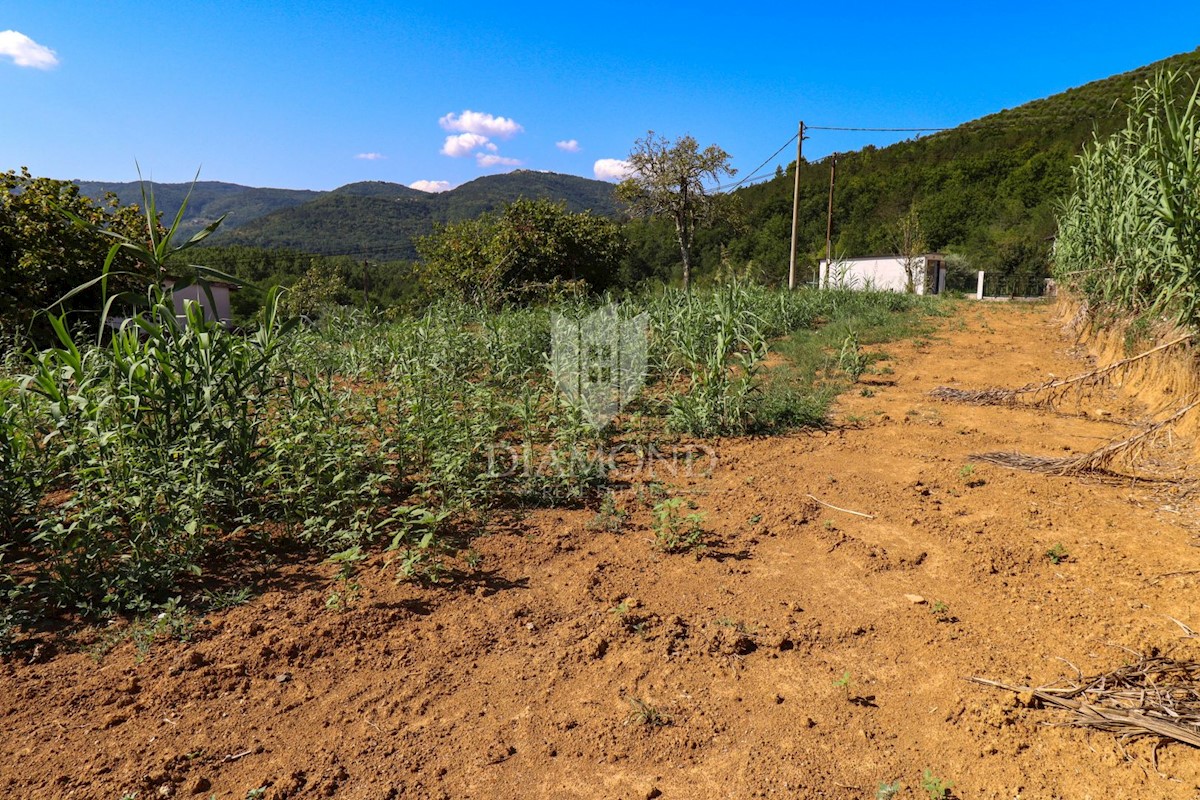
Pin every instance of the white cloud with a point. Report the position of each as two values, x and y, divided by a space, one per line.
25 52
612 169
491 160
370 156
462 144
483 124
569 145
431 186
491 147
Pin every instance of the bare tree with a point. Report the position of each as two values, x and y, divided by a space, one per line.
668 180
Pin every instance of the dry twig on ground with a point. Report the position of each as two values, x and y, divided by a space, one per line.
1157 696
1101 461
1046 394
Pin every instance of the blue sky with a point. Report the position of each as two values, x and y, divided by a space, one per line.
317 94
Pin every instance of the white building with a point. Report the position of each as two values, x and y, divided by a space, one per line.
220 296
885 273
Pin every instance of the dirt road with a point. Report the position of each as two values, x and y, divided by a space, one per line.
790 660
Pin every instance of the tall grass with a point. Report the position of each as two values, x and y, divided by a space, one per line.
128 464
1129 234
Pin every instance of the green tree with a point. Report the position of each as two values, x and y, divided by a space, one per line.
669 180
44 255
530 245
908 242
315 291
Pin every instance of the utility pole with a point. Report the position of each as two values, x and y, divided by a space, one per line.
796 207
829 222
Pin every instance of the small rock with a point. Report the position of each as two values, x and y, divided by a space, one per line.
915 599
654 792
201 785
1026 699
283 677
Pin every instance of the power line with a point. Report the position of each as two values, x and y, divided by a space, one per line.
760 166
879 130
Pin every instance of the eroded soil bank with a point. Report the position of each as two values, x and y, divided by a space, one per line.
786 661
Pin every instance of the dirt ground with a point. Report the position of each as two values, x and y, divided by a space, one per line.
788 661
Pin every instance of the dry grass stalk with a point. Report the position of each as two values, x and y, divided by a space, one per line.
1074 325
1102 461
1157 696
1052 390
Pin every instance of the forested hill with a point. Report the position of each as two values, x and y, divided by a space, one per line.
372 219
375 224
209 200
985 190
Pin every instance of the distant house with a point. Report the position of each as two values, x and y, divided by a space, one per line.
220 298
885 273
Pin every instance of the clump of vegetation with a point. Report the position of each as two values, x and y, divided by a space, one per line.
937 788
851 359
1057 554
675 532
610 517
645 714
887 791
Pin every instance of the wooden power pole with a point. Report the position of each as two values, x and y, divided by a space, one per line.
796 207
829 222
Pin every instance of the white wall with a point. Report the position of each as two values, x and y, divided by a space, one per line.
220 293
885 273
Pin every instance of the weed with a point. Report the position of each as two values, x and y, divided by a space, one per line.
942 612
228 598
851 359
937 788
620 609
473 558
610 517
887 791
342 598
171 621
1057 554
645 714
845 683
674 532
867 392
737 625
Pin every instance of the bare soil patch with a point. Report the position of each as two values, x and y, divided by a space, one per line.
580 662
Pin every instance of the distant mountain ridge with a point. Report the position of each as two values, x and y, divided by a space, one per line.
369 219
